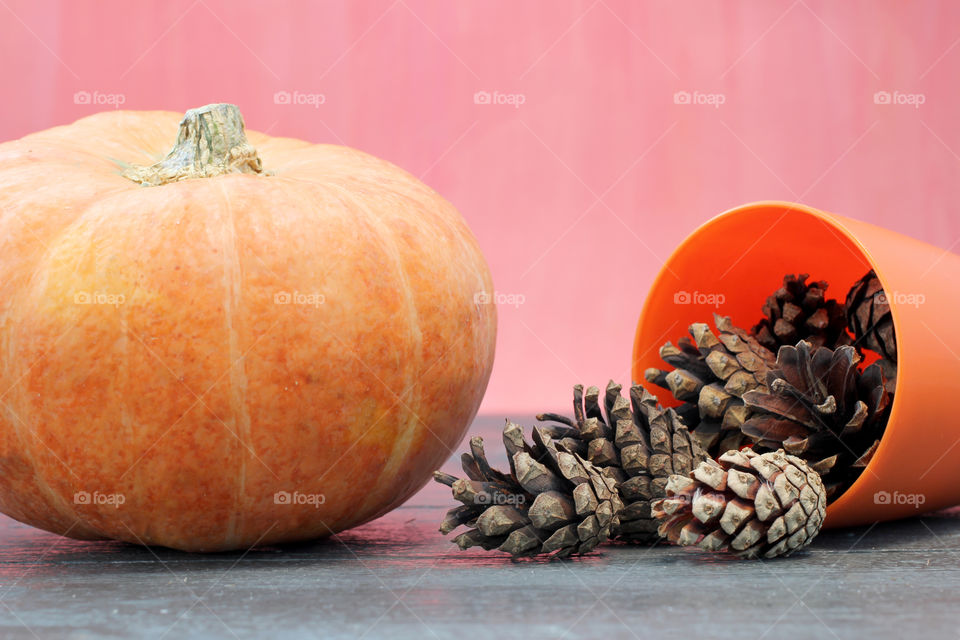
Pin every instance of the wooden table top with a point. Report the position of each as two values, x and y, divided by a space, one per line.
397 577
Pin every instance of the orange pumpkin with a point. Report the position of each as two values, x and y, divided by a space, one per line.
239 343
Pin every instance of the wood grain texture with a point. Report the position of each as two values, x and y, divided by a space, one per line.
397 577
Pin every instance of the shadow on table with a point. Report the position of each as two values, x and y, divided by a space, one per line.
930 531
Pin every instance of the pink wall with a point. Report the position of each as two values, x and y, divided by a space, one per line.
579 193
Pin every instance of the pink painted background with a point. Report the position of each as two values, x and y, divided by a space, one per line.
592 169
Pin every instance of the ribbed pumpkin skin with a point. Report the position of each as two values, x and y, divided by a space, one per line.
199 397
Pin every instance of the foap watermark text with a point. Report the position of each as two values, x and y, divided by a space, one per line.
899 98
308 299
699 98
100 99
885 497
497 98
96 498
298 498
699 297
299 98
900 298
99 297
499 298
500 498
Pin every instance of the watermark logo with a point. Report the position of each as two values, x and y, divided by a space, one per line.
98 98
299 98
300 298
699 98
297 498
698 297
885 497
900 298
99 297
97 498
899 98
514 499
512 99
499 298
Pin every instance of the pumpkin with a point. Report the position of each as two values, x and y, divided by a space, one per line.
245 341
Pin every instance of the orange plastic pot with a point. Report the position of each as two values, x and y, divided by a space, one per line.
731 263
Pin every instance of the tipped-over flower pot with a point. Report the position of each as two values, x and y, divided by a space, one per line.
731 263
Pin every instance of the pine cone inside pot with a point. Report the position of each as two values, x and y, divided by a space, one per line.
868 314
753 505
800 311
638 444
870 320
711 373
552 502
820 407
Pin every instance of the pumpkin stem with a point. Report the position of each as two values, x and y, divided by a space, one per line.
211 142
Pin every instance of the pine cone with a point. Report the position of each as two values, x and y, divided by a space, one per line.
870 320
711 374
552 501
747 503
638 444
820 407
800 311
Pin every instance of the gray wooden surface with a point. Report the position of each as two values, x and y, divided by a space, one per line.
398 578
